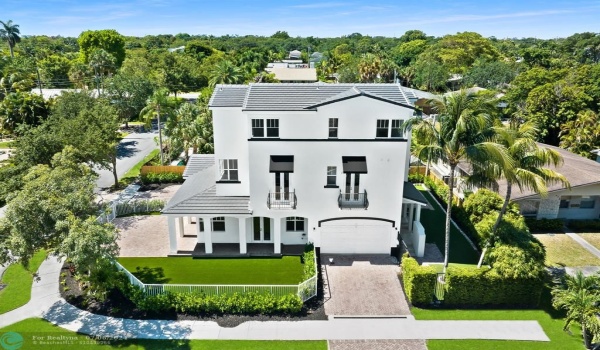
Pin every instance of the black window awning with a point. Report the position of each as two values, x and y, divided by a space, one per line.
281 164
354 165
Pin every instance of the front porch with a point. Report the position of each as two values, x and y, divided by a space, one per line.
232 250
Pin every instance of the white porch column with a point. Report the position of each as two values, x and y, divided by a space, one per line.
172 235
418 216
198 232
189 219
208 248
277 236
410 216
242 231
181 229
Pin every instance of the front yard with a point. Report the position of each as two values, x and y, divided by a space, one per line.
185 270
591 238
562 250
18 282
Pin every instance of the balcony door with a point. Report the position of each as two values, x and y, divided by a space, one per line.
261 229
352 186
282 186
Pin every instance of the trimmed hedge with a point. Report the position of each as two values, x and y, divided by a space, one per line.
472 287
584 225
419 281
310 268
161 178
545 225
199 303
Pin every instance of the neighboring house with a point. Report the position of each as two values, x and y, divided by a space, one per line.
581 201
300 163
293 69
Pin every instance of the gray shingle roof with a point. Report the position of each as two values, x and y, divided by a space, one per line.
300 97
228 96
579 170
198 196
198 162
411 192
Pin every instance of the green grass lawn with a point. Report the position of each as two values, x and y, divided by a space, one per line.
40 328
434 223
551 322
185 270
19 280
7 144
562 250
134 172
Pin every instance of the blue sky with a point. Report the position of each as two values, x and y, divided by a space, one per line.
499 18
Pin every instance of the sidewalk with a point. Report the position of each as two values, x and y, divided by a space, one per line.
47 303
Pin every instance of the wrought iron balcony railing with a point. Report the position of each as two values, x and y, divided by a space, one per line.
282 200
353 200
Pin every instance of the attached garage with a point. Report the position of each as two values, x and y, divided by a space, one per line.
357 237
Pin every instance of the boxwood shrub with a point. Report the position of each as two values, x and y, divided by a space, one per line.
472 287
158 178
545 225
419 281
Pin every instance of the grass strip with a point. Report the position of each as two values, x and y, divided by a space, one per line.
18 282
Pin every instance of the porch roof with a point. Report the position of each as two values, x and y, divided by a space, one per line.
198 196
411 192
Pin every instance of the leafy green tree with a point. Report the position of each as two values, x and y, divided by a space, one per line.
107 39
103 64
10 32
54 71
464 130
280 34
198 50
579 296
22 108
128 94
37 216
458 52
181 73
413 35
489 74
429 74
79 74
407 52
582 134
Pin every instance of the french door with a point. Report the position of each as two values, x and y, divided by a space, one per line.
282 186
261 229
352 186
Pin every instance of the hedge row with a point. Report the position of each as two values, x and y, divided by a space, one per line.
545 225
310 267
472 287
584 225
158 178
419 281
199 303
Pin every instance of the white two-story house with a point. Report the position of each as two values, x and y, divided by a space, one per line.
300 163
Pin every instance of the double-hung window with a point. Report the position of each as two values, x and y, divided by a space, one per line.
258 128
396 128
331 176
272 127
382 128
228 169
294 224
333 128
218 223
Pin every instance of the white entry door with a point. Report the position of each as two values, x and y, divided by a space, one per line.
261 230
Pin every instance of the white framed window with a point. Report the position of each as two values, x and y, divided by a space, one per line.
258 128
201 223
396 130
331 176
272 127
383 126
333 128
228 169
218 223
294 224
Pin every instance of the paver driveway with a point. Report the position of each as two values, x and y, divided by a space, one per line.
361 285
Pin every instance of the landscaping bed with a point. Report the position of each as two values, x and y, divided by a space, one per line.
118 305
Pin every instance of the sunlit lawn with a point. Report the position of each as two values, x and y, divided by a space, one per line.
19 281
562 250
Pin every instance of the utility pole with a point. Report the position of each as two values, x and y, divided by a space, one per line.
39 80
159 135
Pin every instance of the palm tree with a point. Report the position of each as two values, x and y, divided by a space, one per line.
529 166
579 296
464 134
10 32
225 72
159 99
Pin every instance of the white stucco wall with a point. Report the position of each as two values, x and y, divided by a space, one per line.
550 206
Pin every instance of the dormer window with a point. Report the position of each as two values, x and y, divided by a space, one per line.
259 130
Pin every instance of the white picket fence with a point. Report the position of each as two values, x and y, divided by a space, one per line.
116 209
305 290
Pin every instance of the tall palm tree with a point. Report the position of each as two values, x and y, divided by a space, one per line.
225 72
529 169
159 100
463 134
580 298
10 32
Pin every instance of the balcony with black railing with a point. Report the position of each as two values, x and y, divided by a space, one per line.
353 200
282 200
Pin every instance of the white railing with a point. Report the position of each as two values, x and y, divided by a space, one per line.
116 209
305 290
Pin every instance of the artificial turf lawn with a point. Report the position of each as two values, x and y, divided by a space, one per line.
19 280
551 321
186 270
40 328
434 223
